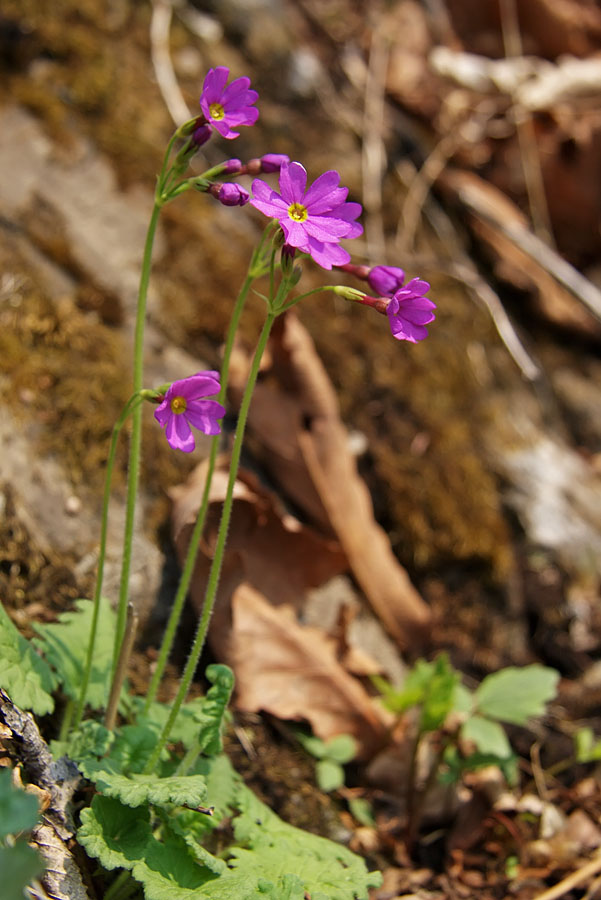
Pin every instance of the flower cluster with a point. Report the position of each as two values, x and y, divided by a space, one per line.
185 404
313 220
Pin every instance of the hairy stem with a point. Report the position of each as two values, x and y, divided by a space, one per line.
215 572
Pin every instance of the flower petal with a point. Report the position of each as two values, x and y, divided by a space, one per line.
203 384
214 83
178 433
203 414
293 178
163 412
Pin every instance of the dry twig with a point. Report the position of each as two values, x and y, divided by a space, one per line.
161 61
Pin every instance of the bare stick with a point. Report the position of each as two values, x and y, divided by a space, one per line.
572 880
537 199
161 61
373 157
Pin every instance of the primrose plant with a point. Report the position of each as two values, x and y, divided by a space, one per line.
464 728
163 790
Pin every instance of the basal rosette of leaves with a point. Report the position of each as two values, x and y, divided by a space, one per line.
159 827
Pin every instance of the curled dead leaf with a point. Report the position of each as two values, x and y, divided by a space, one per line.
297 433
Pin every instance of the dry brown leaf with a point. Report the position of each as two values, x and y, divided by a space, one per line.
266 547
297 433
292 672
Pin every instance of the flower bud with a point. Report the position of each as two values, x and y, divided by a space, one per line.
232 166
230 194
201 134
385 280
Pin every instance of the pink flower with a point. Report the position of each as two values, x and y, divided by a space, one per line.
409 311
230 193
385 280
313 220
226 108
184 405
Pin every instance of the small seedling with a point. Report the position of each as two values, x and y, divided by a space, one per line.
331 755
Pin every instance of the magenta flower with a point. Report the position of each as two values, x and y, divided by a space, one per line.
230 193
409 311
314 220
226 108
385 280
184 405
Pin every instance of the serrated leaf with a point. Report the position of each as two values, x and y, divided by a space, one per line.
137 790
24 675
342 748
19 865
129 752
329 774
18 811
169 872
213 708
192 828
65 643
488 737
115 834
517 694
271 848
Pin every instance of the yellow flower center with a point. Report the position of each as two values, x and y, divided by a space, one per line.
298 212
178 405
217 111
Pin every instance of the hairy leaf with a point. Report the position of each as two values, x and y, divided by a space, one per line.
115 834
65 643
25 677
18 810
138 790
214 705
517 694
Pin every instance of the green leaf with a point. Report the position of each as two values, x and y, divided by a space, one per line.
19 865
24 676
312 744
489 737
586 747
517 694
91 739
212 711
169 872
439 694
65 643
192 828
138 790
361 809
18 811
200 720
342 748
457 765
115 834
270 848
329 774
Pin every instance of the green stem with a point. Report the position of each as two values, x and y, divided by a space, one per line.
116 889
67 719
215 572
136 434
193 545
136 399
